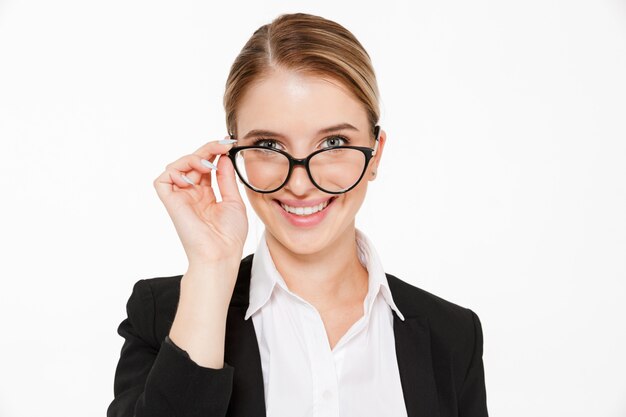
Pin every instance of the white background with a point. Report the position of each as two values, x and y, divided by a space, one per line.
502 187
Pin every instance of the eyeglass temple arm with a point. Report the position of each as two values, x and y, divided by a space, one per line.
376 137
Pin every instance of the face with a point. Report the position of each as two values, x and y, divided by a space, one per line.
292 110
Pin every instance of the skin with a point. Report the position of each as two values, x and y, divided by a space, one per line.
318 263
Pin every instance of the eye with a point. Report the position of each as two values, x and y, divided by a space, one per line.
334 141
267 143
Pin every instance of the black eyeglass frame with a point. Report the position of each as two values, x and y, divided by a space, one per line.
293 162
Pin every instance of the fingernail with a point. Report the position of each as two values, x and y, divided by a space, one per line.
208 164
226 141
187 179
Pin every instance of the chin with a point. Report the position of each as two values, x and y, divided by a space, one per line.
305 242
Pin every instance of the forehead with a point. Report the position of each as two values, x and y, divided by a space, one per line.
298 104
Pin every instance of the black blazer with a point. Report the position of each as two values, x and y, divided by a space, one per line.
438 347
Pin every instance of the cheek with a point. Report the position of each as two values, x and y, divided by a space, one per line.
254 199
261 203
357 194
250 194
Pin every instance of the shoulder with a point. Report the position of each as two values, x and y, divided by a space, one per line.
416 301
450 324
152 306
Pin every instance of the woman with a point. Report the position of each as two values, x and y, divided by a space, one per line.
309 325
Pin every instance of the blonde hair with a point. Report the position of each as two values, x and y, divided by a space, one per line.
308 44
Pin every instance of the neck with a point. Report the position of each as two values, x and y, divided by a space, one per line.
326 279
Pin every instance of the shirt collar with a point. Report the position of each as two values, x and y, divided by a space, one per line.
377 279
264 276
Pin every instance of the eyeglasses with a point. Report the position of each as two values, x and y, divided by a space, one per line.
333 170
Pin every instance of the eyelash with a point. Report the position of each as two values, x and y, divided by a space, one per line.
346 141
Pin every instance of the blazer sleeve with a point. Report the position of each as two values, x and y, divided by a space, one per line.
157 378
473 396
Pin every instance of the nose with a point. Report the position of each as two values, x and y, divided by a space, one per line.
299 183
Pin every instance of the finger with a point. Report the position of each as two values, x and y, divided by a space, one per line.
190 162
226 180
214 148
194 167
226 143
170 180
205 180
186 171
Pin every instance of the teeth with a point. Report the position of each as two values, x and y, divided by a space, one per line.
304 211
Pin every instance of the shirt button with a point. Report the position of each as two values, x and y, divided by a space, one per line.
327 395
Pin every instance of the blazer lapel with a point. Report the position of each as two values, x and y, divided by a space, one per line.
242 352
414 357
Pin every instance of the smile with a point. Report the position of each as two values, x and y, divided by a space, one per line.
305 210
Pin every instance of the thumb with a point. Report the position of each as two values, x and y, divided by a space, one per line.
226 180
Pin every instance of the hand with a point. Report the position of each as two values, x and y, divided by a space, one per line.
210 231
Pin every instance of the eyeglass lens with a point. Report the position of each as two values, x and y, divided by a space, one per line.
334 170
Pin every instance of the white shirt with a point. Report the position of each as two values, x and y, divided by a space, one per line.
302 376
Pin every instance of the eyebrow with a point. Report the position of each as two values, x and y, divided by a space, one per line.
335 128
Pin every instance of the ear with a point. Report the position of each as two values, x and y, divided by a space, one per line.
372 170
